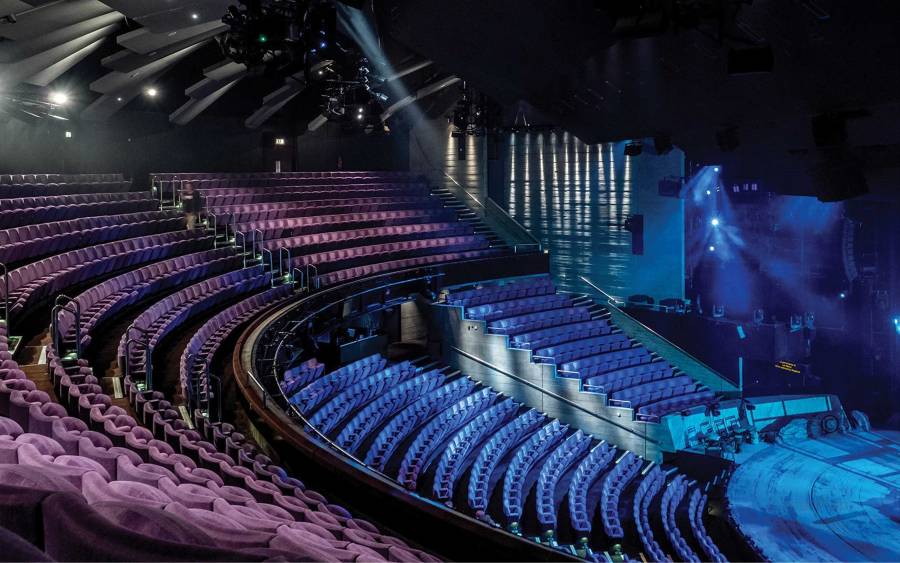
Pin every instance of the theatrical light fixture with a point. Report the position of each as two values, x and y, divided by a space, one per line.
279 141
59 98
714 222
842 295
151 92
708 192
195 16
68 134
897 324
712 248
715 168
119 99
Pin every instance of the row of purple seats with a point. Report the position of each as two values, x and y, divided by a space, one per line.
391 402
527 287
534 321
161 318
17 217
560 334
358 272
647 490
615 380
385 252
297 378
34 241
335 189
493 451
418 455
206 341
696 509
450 466
70 199
621 474
563 457
106 299
671 498
240 198
51 189
581 511
358 237
328 223
679 403
6 179
103 474
570 351
502 309
349 397
63 271
601 363
525 458
402 425
334 206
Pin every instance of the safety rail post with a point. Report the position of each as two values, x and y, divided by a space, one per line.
243 244
5 271
309 279
218 381
212 219
63 303
261 240
156 187
281 264
299 270
271 265
191 391
148 360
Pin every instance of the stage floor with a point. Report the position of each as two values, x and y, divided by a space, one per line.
832 499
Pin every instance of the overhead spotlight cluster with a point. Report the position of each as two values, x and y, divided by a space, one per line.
277 32
350 100
33 104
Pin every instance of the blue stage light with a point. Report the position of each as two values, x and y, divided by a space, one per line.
897 324
322 45
842 295
708 192
714 222
712 248
715 168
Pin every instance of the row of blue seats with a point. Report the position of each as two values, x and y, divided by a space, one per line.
527 287
432 434
552 471
502 309
522 462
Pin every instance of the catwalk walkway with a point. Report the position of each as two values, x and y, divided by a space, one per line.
836 498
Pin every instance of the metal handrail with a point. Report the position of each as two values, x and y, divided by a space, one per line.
281 250
218 380
300 270
5 296
243 244
62 303
309 280
617 304
271 264
494 208
148 360
261 239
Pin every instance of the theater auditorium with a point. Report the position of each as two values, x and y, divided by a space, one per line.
413 280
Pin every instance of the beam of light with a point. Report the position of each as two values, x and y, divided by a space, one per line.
59 98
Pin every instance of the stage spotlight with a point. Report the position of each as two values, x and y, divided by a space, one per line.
712 248
714 222
708 192
59 98
151 92
715 168
195 16
897 324
119 99
842 295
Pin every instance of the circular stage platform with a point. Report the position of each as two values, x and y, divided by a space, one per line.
831 499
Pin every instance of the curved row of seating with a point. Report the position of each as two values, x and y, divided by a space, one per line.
426 442
52 275
671 498
696 509
67 199
106 299
10 218
34 241
9 179
241 197
649 487
289 209
349 274
616 480
36 187
317 242
525 458
586 474
577 336
205 343
558 463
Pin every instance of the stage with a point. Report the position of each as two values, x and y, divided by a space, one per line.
835 498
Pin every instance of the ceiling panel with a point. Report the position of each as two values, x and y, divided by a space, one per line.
128 61
53 72
163 16
11 51
144 41
53 17
195 107
12 6
115 81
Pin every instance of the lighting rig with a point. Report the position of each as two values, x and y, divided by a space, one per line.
474 114
299 38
